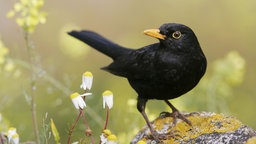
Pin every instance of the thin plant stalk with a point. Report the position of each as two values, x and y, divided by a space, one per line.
45 129
86 123
88 128
74 124
33 64
107 117
81 113
106 122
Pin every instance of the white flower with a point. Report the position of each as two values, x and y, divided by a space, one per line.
11 131
85 94
107 99
87 79
15 139
103 139
12 136
77 101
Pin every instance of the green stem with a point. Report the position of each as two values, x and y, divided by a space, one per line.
45 129
33 85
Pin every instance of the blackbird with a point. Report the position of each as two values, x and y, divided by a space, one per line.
162 71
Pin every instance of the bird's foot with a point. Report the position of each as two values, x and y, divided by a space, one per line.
156 136
177 115
165 136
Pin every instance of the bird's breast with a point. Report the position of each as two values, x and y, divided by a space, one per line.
173 76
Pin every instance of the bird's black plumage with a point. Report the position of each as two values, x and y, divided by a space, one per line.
163 70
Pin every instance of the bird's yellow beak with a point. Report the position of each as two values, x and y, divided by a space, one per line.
154 33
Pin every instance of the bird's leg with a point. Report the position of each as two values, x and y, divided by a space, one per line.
176 114
141 108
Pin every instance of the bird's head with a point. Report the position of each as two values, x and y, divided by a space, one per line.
175 36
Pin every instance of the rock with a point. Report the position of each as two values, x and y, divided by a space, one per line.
207 128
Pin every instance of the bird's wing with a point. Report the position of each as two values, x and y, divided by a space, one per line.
137 64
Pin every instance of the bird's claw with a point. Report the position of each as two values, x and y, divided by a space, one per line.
158 138
177 115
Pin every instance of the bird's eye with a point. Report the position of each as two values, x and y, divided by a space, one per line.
176 34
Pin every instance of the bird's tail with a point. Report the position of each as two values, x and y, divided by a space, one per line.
99 43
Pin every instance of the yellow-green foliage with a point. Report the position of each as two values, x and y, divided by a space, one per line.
28 14
3 52
231 68
55 132
7 65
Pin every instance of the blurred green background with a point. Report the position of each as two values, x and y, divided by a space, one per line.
221 27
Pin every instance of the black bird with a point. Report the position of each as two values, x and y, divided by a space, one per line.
161 71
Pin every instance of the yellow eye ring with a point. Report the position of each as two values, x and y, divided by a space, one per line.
176 34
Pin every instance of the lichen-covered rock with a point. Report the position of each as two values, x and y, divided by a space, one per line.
207 128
